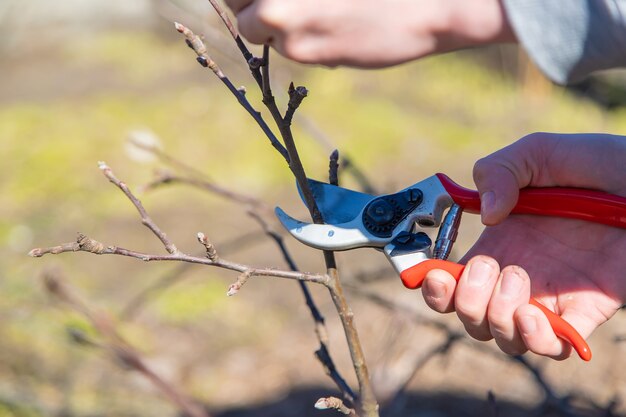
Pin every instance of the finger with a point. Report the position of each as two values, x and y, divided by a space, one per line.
537 334
253 26
511 292
438 290
545 160
498 189
500 175
237 5
473 293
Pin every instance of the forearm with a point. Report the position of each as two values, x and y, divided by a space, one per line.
570 39
368 33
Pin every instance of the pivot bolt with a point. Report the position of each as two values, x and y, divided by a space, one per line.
380 212
414 195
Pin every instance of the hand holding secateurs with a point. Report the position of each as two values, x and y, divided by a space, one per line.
390 223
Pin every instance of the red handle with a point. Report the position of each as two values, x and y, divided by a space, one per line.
414 276
573 203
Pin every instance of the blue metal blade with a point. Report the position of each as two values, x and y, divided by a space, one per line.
337 205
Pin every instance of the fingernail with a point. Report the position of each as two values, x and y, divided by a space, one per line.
487 203
479 273
511 284
527 324
435 289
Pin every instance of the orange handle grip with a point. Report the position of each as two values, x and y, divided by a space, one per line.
414 277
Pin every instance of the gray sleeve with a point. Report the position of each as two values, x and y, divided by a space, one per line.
568 39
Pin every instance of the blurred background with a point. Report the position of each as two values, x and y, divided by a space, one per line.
79 79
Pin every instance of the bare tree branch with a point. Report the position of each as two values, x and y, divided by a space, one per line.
258 207
118 347
347 163
333 168
145 219
195 43
139 300
493 404
236 286
86 244
168 178
367 400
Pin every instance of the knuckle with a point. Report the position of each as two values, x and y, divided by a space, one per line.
471 316
479 333
509 348
499 324
482 168
273 14
300 50
536 137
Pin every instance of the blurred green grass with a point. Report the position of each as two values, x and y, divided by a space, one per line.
399 125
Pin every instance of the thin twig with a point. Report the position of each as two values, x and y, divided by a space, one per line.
256 208
167 159
347 164
266 85
139 300
254 69
367 400
539 379
118 347
146 220
168 178
86 244
493 404
227 22
205 60
333 168
322 354
441 349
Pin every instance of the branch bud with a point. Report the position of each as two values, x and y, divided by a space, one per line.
202 61
211 252
255 62
296 95
236 286
333 403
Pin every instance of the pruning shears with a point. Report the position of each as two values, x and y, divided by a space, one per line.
391 223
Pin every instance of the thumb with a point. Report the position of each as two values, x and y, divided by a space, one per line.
499 177
498 191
